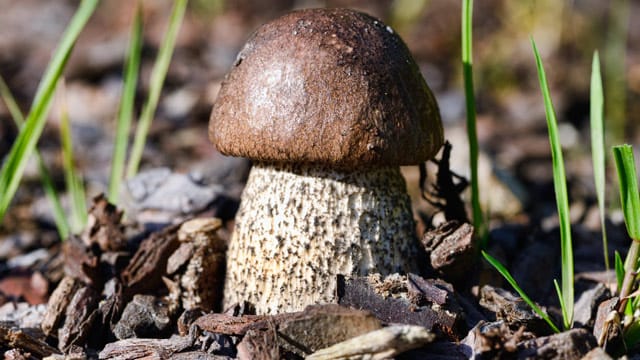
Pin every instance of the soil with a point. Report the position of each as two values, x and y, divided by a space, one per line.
143 279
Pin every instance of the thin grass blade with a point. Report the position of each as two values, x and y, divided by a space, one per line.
158 75
562 199
75 186
505 273
628 179
13 167
619 266
125 113
630 200
59 216
598 148
467 72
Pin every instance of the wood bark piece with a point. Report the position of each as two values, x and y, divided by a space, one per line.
227 324
320 326
452 250
608 328
104 226
58 302
148 265
79 317
380 344
389 300
493 340
571 344
260 344
129 349
197 355
201 261
512 309
300 333
14 337
82 262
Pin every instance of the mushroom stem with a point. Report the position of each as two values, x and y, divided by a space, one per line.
299 226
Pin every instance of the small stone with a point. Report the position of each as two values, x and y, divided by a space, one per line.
144 316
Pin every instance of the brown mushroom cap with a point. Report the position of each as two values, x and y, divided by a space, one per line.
326 86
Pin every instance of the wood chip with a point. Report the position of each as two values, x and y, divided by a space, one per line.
512 309
389 301
571 344
104 227
148 265
380 344
260 344
130 349
79 317
452 250
58 302
203 278
227 324
82 262
14 337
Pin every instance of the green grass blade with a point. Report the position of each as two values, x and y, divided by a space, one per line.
59 216
598 149
562 198
559 293
627 177
13 168
75 187
125 113
467 72
158 75
619 266
505 273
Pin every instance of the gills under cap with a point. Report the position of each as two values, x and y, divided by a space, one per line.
333 87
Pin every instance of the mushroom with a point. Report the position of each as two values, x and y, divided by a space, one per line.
328 103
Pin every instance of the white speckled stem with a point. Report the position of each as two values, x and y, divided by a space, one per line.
299 226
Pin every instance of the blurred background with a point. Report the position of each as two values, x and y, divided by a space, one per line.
515 159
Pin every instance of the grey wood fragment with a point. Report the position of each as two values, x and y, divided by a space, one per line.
380 344
510 308
144 316
571 344
586 307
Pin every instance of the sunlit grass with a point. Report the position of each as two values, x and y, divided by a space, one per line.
505 273
59 216
24 145
73 180
158 75
630 201
472 135
127 100
598 148
565 289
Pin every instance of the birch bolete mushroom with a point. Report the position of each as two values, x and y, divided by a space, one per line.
328 103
